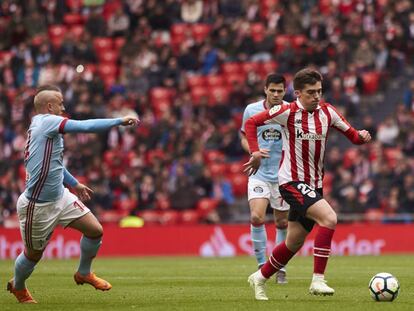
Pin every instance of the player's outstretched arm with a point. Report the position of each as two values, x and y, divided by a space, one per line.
96 125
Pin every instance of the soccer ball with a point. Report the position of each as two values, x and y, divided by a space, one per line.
384 287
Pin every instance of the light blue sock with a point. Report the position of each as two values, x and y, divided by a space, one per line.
280 237
259 239
23 268
89 249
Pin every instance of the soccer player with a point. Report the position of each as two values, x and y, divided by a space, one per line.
305 124
45 202
263 188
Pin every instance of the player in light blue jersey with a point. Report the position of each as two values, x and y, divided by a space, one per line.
263 188
46 203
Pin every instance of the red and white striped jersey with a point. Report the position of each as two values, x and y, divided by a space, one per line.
304 138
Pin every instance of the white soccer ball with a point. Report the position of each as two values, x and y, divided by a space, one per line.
384 287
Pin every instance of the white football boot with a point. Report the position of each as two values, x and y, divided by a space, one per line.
319 287
258 283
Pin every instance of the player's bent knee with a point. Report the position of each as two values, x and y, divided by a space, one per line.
33 255
281 223
256 220
95 232
330 221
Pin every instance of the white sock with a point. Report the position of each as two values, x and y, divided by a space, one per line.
260 276
318 277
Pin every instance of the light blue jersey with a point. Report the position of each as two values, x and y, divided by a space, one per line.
269 137
43 156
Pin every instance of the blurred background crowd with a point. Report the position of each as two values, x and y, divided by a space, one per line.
188 68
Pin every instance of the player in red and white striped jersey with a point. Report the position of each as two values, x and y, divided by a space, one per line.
305 126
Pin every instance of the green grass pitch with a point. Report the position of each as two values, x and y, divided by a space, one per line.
190 283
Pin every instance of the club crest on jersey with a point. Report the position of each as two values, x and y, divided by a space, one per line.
271 134
309 136
274 109
258 189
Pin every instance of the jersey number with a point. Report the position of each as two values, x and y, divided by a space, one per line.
306 190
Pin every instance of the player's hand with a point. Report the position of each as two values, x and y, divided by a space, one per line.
253 165
128 120
265 153
84 193
364 135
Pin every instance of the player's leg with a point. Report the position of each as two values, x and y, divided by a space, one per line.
258 194
258 229
90 243
37 222
280 216
280 256
323 214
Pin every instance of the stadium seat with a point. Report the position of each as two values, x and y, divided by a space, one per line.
77 31
250 67
231 68
119 42
189 217
235 167
74 5
280 42
298 41
112 216
206 205
349 156
215 80
371 81
373 215
56 34
169 217
393 156
197 93
217 168
6 56
267 68
257 31
160 106
108 56
239 182
218 95
196 80
213 156
72 19
178 31
107 70
102 43
200 32
239 78
161 94
149 216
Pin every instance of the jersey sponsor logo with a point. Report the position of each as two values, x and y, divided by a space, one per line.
258 189
271 134
298 121
306 190
274 109
309 136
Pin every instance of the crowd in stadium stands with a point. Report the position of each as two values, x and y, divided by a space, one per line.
188 68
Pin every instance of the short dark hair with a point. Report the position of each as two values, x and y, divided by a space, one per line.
47 87
275 78
306 76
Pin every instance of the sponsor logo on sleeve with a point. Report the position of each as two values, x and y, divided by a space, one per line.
274 109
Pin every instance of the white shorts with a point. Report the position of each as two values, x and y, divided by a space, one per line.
258 189
38 220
